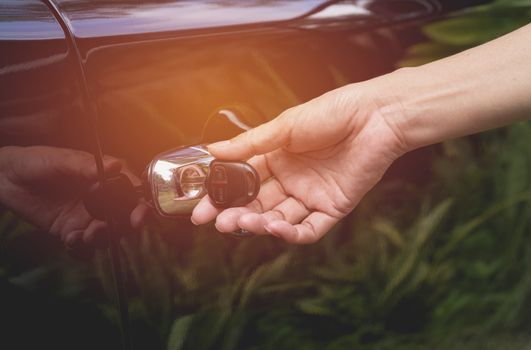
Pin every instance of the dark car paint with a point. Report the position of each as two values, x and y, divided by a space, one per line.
39 96
156 78
104 18
159 89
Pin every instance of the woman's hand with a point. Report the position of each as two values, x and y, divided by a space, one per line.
316 162
46 186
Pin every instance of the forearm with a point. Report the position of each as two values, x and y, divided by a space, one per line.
479 89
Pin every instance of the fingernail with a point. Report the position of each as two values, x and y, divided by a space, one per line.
218 145
268 230
70 240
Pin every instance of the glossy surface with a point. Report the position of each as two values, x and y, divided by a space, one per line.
176 179
39 101
105 18
101 18
232 183
27 20
159 71
154 95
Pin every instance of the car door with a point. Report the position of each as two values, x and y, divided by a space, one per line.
133 79
157 72
39 99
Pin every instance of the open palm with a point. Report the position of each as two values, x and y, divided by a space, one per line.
317 160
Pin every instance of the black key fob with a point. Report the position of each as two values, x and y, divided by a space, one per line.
232 184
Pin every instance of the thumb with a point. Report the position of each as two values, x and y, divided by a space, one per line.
81 164
262 139
111 167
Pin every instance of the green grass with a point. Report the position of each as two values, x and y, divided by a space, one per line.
442 265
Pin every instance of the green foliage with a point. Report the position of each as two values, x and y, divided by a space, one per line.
451 275
442 265
467 29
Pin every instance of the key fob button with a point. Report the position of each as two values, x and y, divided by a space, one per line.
232 184
219 194
219 173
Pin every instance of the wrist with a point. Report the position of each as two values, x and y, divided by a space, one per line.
479 89
422 107
389 103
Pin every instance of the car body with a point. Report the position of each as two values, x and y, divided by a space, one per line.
133 79
157 72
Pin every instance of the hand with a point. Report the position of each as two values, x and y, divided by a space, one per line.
316 161
46 186
320 158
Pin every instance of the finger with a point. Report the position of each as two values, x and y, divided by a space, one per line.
227 221
139 215
315 226
204 212
259 163
262 139
124 169
290 210
73 239
69 162
69 222
113 166
78 163
271 194
75 246
95 235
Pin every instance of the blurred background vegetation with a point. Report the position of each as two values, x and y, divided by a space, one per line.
443 264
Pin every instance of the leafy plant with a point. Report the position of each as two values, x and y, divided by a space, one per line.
438 265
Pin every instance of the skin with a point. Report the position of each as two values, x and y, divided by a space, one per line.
46 186
320 158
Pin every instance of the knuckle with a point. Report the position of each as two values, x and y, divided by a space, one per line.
277 214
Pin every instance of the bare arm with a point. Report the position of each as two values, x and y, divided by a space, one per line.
482 88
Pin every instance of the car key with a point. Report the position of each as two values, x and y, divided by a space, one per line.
232 184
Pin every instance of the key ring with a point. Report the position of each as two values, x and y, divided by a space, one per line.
242 233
